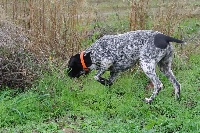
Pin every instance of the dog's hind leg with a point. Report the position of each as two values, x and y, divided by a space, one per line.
149 67
165 67
113 76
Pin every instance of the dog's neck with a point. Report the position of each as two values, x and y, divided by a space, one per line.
85 61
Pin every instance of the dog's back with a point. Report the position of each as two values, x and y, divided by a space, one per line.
123 49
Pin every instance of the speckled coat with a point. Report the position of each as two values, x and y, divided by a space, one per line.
117 53
124 50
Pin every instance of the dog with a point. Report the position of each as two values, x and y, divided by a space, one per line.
117 53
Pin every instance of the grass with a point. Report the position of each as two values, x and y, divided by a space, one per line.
57 103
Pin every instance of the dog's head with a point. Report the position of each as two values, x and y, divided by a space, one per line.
75 68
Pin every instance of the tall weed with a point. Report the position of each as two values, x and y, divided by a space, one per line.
57 29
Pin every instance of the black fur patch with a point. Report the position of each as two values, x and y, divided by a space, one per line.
75 67
160 41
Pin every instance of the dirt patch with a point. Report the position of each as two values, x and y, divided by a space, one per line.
69 130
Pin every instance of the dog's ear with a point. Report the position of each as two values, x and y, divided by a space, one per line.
71 62
74 60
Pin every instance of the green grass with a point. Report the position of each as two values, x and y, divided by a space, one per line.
57 102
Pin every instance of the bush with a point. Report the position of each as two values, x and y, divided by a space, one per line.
15 67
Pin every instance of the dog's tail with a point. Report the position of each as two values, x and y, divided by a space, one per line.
171 39
162 41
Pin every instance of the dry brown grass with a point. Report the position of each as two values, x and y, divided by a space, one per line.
159 15
139 14
56 28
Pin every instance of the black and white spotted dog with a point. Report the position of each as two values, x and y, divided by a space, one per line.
117 53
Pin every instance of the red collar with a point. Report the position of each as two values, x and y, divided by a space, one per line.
83 62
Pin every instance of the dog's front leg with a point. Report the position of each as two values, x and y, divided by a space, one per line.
100 79
105 65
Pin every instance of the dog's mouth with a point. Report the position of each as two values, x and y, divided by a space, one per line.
75 74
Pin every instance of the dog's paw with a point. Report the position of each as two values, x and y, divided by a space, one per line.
109 83
177 97
148 100
105 82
